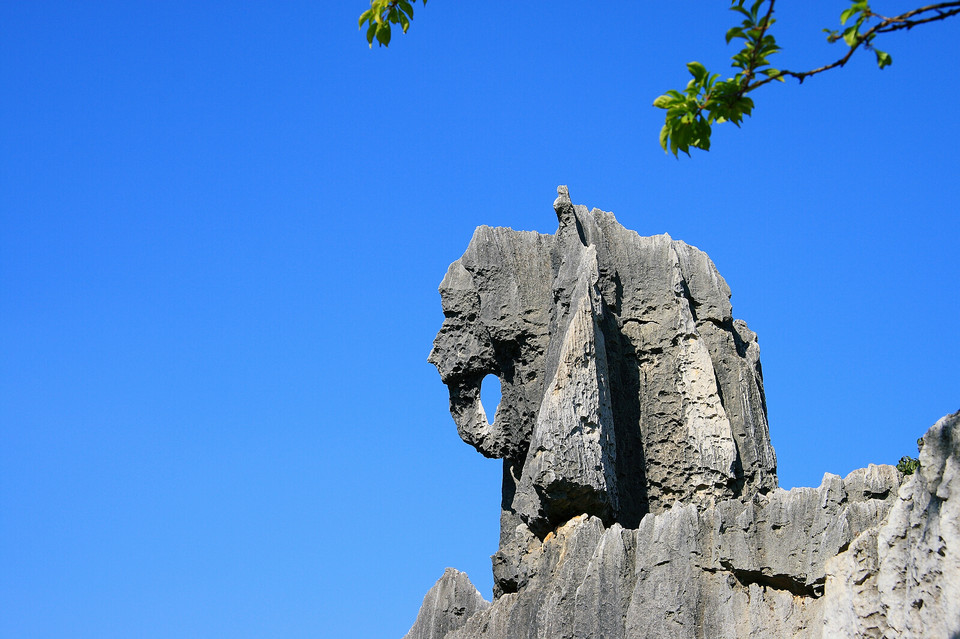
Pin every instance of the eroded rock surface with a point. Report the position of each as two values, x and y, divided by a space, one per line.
447 606
640 495
902 578
736 569
626 383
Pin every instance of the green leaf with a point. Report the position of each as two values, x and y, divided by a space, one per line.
740 9
365 16
883 58
697 70
848 13
703 142
406 8
664 101
371 32
383 34
404 21
735 32
850 36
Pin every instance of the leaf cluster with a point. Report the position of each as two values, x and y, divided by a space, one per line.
382 14
908 465
692 112
707 100
855 34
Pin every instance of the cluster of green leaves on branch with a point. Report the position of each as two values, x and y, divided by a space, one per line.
383 13
707 100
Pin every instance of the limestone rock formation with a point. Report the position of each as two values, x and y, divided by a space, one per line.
640 495
447 606
902 579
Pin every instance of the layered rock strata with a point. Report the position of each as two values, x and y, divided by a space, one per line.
640 495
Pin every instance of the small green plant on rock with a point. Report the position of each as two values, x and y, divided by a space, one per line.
908 465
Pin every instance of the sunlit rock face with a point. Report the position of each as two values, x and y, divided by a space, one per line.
447 606
902 578
640 494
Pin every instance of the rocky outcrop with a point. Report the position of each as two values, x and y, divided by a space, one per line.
902 579
737 569
447 606
640 495
608 346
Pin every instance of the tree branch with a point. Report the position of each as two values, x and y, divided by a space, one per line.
909 24
943 11
705 101
748 72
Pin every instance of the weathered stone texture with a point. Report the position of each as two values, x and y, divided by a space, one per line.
447 606
640 495
608 345
902 578
737 569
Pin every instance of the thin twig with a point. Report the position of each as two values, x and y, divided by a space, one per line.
930 7
909 24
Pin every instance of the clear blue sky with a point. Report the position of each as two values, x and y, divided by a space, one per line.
222 227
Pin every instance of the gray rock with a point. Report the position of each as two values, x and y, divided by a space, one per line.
447 606
902 578
570 464
626 383
640 494
736 569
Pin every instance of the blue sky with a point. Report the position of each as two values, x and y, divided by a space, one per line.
222 227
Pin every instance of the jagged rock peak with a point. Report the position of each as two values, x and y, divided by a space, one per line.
626 383
447 606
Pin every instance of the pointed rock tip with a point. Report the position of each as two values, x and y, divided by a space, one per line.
563 207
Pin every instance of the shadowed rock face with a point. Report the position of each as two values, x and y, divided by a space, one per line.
640 495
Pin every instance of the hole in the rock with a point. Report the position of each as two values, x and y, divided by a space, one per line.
490 396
